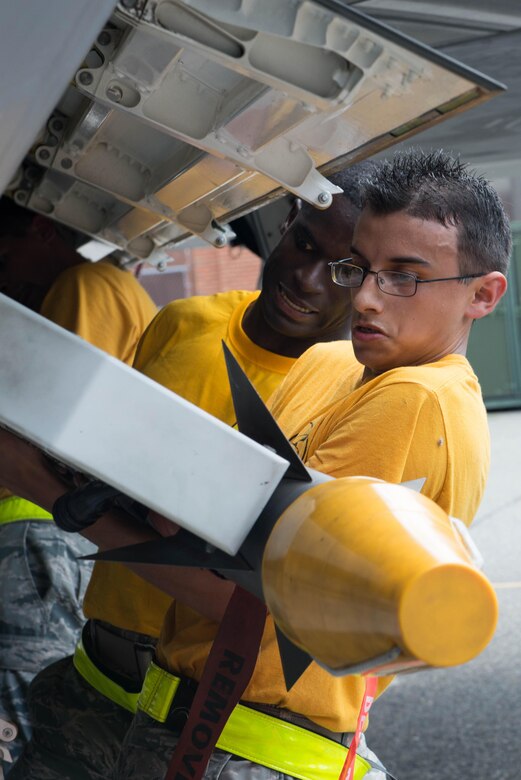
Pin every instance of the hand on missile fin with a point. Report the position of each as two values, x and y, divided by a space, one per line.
255 421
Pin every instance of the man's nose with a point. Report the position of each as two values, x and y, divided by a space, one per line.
367 297
312 277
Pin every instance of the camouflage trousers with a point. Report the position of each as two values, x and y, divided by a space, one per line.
42 586
77 732
148 747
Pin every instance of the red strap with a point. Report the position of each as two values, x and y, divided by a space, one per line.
368 698
226 674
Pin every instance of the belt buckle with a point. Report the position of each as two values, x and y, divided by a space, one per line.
181 703
144 654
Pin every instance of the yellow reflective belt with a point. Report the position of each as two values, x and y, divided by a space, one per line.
107 687
13 509
259 737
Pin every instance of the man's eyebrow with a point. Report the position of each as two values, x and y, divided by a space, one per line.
406 260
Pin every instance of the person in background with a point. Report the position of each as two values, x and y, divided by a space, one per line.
42 582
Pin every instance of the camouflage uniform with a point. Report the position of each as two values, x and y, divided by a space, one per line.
65 709
43 585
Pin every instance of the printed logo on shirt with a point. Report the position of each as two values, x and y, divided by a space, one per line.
300 441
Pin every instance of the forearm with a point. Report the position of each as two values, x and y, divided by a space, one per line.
24 471
196 588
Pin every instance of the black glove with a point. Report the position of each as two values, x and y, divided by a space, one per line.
81 507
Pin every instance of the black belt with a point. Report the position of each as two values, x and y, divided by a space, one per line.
122 655
183 698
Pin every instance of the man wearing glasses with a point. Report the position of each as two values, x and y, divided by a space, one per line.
428 257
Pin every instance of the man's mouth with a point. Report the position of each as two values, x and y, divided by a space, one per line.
367 329
295 303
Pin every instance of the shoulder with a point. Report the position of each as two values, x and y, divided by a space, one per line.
447 390
103 277
448 377
335 354
324 363
206 309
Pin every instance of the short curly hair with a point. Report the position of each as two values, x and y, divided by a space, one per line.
436 186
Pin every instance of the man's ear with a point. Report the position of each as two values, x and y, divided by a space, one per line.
292 215
487 293
42 228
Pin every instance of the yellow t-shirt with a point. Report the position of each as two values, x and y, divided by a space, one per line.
104 305
182 350
421 421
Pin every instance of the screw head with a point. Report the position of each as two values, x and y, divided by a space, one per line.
66 163
43 154
7 734
219 241
85 78
57 125
325 197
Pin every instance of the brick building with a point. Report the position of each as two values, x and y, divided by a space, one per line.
202 271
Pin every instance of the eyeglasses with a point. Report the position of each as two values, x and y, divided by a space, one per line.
398 283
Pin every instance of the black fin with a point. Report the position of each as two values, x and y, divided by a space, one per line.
294 660
255 421
183 549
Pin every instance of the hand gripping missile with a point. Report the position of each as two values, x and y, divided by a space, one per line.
358 574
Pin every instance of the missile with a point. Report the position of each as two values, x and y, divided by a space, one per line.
359 575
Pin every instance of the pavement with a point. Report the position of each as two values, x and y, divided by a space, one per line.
464 722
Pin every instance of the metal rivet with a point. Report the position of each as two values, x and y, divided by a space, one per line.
219 241
114 93
85 78
66 163
43 154
324 197
104 38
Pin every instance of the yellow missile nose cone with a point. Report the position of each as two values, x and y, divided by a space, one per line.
447 615
355 567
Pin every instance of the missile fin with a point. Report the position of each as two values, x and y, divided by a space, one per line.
183 549
255 421
294 660
415 484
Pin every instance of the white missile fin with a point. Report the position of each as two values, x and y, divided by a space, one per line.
415 484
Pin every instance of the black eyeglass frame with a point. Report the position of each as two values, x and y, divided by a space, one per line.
366 271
